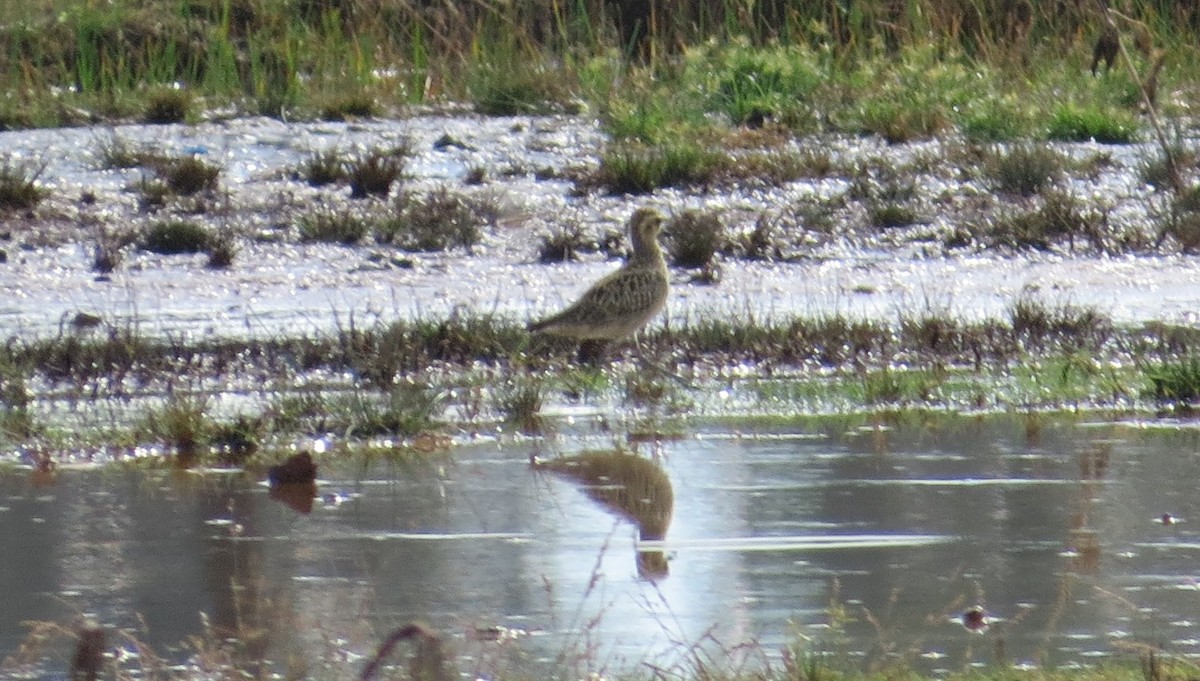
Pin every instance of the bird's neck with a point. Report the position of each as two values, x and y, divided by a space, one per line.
645 252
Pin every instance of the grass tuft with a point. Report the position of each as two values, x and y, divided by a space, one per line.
563 243
173 237
19 188
636 168
340 227
323 167
1072 123
436 221
374 173
167 105
694 238
188 175
1024 169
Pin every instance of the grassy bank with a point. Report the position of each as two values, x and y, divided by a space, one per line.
420 381
996 69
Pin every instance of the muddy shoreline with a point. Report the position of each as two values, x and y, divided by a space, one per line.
277 286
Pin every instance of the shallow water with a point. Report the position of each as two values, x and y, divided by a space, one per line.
277 287
1053 526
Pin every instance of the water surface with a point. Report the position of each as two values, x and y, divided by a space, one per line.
868 540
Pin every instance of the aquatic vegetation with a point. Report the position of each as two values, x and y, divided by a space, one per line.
114 151
222 249
346 106
187 175
19 188
173 237
1176 381
520 85
635 168
182 424
334 226
16 421
563 243
1061 219
1024 169
1180 221
519 402
323 167
694 238
435 221
374 172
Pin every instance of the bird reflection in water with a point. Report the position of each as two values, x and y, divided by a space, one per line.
630 487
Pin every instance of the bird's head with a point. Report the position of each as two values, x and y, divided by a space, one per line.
644 226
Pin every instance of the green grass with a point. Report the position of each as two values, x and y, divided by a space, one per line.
1072 123
634 168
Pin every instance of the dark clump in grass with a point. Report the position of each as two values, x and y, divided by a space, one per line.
323 167
886 215
1176 381
350 106
167 105
1072 123
18 185
221 252
1061 218
436 221
694 238
188 175
1036 324
173 237
515 89
563 243
762 242
374 173
235 441
1180 222
341 227
634 168
1024 169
